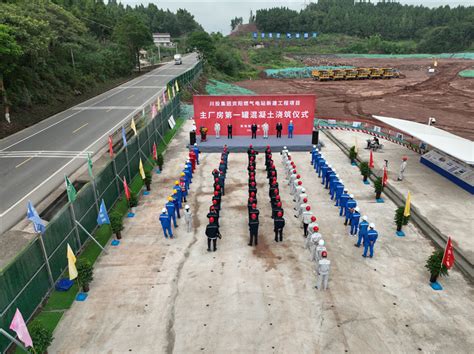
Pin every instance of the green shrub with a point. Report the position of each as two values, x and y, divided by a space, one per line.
85 272
133 201
364 169
41 337
433 264
399 218
116 221
352 154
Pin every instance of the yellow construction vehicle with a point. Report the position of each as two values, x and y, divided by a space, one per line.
363 73
376 73
389 73
321 75
351 74
338 74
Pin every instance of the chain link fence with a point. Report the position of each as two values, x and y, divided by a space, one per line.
24 282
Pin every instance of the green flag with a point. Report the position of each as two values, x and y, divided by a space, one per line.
71 191
89 165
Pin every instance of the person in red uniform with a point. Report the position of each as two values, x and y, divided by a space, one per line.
192 158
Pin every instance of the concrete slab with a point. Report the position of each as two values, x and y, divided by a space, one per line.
152 295
443 203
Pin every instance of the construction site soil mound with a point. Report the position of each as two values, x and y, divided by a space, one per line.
416 96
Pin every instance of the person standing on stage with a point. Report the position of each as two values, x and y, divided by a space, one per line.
254 131
265 128
290 129
229 131
279 128
217 128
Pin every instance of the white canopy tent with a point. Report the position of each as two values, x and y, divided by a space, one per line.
453 145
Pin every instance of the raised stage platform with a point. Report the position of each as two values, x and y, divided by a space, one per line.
241 143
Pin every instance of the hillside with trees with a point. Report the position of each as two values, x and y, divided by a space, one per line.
54 51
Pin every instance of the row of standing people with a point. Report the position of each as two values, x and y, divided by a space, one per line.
174 204
253 212
314 241
254 128
218 175
367 235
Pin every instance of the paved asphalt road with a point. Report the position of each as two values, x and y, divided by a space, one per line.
65 136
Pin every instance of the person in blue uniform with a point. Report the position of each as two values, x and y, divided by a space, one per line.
291 127
166 223
314 153
342 202
355 221
171 210
330 173
333 179
363 228
321 164
196 152
177 204
338 190
371 238
350 205
324 171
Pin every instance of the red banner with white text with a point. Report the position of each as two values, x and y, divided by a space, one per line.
243 111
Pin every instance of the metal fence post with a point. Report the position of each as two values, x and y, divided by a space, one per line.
115 178
76 231
46 260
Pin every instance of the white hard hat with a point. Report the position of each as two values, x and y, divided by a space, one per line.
186 206
317 149
341 181
330 166
333 169
351 195
365 218
303 190
163 210
321 242
314 146
195 144
372 225
337 175
284 147
345 190
357 209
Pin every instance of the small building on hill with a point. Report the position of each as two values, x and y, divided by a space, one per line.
162 40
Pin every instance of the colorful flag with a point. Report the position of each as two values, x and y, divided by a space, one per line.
133 126
140 168
173 91
153 111
125 188
71 263
176 85
18 325
71 191
124 137
111 147
448 258
155 155
385 176
371 160
103 217
33 216
407 205
89 165
169 93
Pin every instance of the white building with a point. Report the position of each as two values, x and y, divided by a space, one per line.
162 40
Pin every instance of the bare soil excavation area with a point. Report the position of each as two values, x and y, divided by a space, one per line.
416 96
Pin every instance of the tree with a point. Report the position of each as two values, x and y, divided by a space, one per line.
10 51
203 42
133 33
236 22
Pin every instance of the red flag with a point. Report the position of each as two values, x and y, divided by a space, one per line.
155 155
125 187
111 147
371 160
448 258
385 176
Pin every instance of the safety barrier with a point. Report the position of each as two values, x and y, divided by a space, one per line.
25 283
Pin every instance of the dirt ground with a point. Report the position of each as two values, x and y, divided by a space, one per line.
417 96
154 295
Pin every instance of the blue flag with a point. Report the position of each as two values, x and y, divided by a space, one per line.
315 34
278 35
255 35
306 35
33 216
288 35
262 34
124 137
103 217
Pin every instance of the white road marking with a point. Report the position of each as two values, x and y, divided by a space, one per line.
82 126
28 159
130 97
105 108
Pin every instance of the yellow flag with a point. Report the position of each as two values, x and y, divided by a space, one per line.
140 168
133 126
355 144
169 93
71 263
173 90
158 105
176 85
407 205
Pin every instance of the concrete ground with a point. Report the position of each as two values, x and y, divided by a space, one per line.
442 202
152 295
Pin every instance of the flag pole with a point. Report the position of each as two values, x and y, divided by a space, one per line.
46 260
94 187
76 231
92 237
13 339
128 162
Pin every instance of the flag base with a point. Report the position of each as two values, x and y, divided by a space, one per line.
366 182
64 285
436 286
130 215
353 163
81 297
115 243
380 200
400 234
146 193
158 171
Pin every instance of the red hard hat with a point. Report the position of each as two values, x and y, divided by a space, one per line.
316 228
252 158
273 173
216 193
300 183
276 191
251 200
313 218
294 171
212 207
254 216
211 219
214 202
218 187
279 204
273 166
254 206
252 194
298 176
308 208
268 146
216 179
404 158
273 183
324 254
251 167
280 214
253 184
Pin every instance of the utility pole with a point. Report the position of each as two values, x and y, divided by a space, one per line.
159 54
